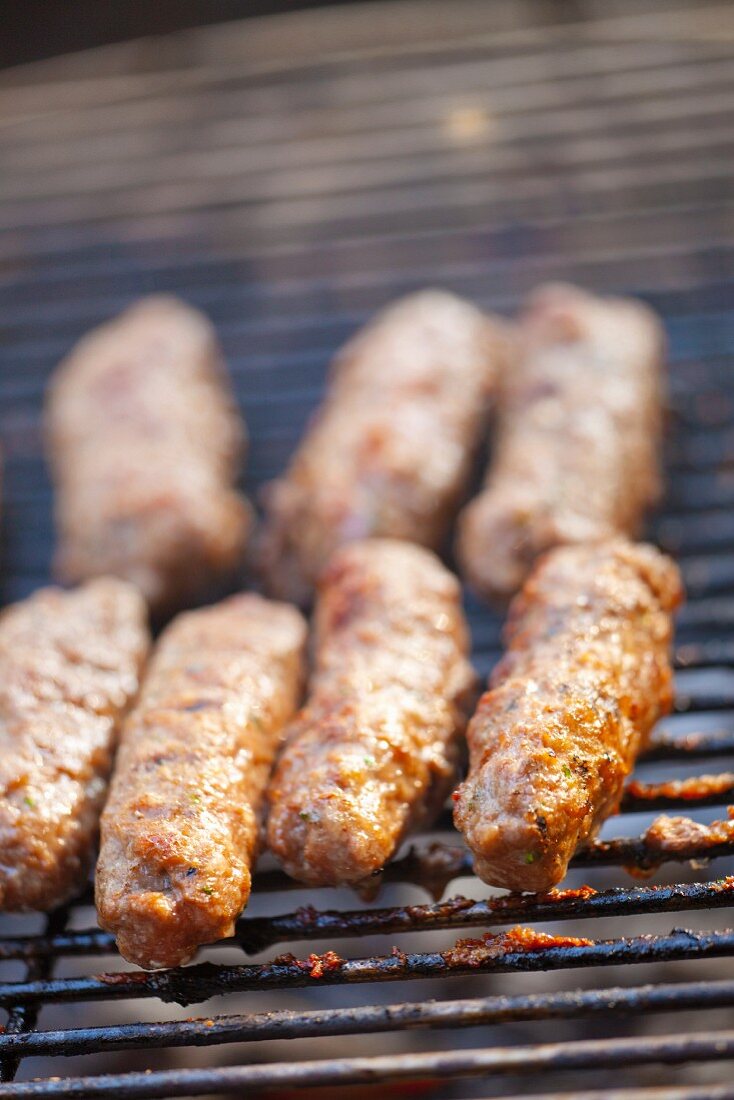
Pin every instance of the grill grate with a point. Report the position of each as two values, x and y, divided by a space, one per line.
289 176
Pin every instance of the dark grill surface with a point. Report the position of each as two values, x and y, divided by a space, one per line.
290 176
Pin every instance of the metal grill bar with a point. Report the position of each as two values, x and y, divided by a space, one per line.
491 955
694 793
691 746
22 1018
373 1019
383 156
690 1092
433 866
436 864
235 309
597 1054
359 213
254 934
293 256
391 83
254 354
378 127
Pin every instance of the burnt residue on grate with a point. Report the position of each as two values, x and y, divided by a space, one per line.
254 934
519 950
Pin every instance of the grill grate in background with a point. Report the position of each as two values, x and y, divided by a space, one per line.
290 176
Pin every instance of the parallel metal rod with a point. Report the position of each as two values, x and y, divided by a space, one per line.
710 653
373 126
92 293
528 47
705 702
357 190
257 933
584 1054
260 367
690 746
492 954
261 362
210 171
119 268
436 864
251 245
273 344
433 866
254 934
381 82
256 123
232 302
372 1019
380 155
22 1018
356 213
232 305
693 794
281 417
684 1092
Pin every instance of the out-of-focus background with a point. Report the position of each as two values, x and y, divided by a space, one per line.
291 173
35 29
289 169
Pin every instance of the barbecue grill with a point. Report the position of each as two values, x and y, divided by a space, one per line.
290 175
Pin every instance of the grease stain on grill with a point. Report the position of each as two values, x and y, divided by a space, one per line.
315 966
670 837
474 953
699 788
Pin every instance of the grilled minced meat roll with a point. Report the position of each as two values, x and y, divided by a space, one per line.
145 445
70 664
390 450
585 677
180 830
374 751
576 455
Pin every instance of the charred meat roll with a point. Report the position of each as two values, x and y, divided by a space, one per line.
579 427
390 450
585 677
180 830
374 751
145 444
70 664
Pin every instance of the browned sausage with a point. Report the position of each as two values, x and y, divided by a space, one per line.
374 751
585 677
69 665
145 444
390 449
576 456
180 829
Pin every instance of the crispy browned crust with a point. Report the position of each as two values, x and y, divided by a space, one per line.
180 829
390 449
577 451
585 677
145 445
69 665
374 751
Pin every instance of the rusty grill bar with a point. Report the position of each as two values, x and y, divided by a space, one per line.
290 197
